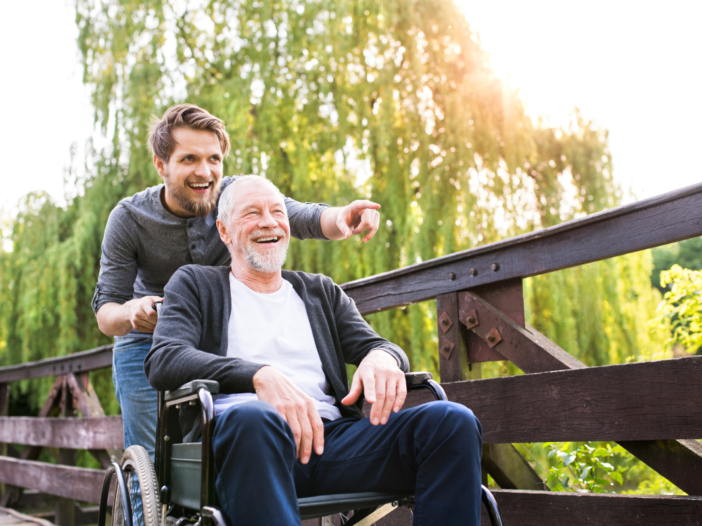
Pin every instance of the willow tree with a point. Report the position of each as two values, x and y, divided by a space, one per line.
391 100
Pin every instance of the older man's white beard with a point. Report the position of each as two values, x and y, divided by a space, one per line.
271 260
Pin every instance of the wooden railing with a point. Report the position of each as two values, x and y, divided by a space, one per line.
59 431
652 409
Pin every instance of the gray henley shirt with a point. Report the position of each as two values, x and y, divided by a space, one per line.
144 244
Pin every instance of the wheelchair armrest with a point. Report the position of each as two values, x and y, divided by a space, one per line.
425 380
191 388
417 378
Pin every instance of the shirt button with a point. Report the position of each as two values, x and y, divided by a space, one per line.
192 247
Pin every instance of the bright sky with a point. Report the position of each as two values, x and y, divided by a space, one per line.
635 67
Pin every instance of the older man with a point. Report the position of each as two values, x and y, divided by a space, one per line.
154 232
287 425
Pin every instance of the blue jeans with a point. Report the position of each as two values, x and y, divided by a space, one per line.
137 399
433 450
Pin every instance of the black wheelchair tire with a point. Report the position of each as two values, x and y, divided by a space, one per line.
137 460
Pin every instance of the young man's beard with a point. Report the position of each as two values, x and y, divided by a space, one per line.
197 208
270 261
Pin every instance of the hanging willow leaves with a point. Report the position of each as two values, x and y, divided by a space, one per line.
395 101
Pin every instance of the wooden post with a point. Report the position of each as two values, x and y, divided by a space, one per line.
502 461
453 355
4 403
66 508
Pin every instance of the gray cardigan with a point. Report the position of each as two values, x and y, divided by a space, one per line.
190 341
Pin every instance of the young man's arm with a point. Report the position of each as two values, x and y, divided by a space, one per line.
317 221
117 313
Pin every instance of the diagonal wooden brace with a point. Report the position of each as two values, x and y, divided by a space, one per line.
89 406
680 461
525 347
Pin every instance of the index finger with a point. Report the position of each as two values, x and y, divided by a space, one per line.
362 204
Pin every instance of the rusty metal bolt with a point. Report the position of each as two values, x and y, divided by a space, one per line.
444 321
471 319
446 347
491 338
473 271
452 276
495 267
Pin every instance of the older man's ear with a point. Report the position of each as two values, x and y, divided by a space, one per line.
223 235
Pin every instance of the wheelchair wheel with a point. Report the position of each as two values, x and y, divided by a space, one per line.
142 486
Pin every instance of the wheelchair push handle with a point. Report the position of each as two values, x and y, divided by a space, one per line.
157 305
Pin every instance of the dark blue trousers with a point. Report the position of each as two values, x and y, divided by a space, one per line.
433 450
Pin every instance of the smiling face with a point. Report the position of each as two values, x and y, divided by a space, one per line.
257 231
193 174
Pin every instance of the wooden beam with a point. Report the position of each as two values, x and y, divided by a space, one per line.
680 461
453 356
63 481
509 469
629 228
98 358
4 405
639 401
68 433
502 461
539 508
50 408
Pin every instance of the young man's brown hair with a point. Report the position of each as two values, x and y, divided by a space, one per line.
189 116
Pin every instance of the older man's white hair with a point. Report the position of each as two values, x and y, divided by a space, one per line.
227 200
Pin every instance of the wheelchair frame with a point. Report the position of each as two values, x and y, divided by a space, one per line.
368 507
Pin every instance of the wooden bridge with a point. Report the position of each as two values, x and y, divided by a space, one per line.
653 409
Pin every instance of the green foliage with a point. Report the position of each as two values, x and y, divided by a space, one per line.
599 312
395 101
687 254
583 468
594 467
680 312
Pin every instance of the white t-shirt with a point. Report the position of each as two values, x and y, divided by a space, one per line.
274 329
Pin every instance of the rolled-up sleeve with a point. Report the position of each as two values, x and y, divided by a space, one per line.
305 219
118 263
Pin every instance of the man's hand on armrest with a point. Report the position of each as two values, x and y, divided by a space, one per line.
355 218
296 408
384 385
137 314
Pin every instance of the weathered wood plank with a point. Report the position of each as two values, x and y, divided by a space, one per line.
680 461
652 222
509 468
50 408
640 401
63 481
525 347
527 508
69 433
541 508
98 358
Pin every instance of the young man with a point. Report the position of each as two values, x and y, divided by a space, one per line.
153 233
286 423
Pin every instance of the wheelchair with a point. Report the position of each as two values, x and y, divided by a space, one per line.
180 489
